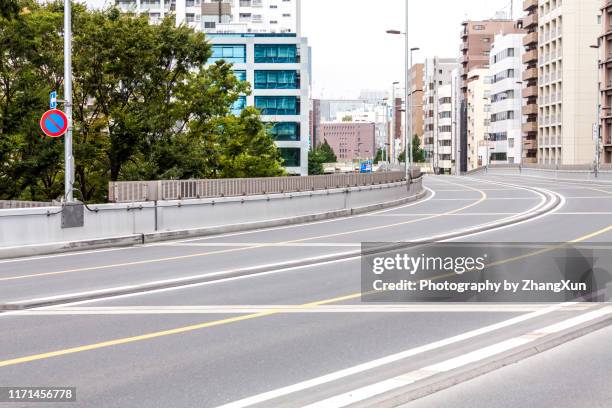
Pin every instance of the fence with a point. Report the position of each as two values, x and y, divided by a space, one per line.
5 204
132 191
574 172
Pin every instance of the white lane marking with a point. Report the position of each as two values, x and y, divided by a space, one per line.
247 309
379 388
488 198
304 385
430 196
546 214
267 244
465 234
480 214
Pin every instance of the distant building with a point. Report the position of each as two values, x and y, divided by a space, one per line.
478 118
476 41
226 16
567 80
349 140
416 75
605 79
315 121
530 83
505 133
437 112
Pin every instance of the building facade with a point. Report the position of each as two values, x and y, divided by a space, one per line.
530 82
505 133
476 42
478 118
605 81
567 80
350 140
223 16
277 68
437 111
416 100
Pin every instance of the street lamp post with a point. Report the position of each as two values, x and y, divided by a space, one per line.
407 55
393 119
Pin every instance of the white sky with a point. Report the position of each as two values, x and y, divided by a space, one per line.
351 50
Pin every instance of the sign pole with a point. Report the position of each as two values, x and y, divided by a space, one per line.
68 158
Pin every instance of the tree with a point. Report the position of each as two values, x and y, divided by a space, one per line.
316 158
418 154
145 105
347 118
328 152
379 156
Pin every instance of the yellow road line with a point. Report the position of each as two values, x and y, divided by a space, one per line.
186 329
224 251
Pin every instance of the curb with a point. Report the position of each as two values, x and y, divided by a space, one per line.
127 290
443 381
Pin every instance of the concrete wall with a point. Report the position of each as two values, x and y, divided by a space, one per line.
603 176
38 230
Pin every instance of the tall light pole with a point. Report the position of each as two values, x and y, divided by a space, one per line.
407 112
68 158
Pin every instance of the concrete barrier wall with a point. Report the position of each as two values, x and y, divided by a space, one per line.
604 176
38 230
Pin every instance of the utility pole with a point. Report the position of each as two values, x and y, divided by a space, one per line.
68 158
407 151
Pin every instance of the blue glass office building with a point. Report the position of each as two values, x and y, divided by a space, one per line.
278 68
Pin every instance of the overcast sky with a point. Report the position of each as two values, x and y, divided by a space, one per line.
351 50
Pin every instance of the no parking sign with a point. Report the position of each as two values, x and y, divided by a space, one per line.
54 123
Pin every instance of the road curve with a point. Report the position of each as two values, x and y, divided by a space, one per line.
286 337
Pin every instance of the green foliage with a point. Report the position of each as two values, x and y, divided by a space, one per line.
379 156
144 107
323 153
347 118
329 156
418 154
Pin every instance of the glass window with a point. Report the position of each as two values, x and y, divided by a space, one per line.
239 105
276 80
291 156
229 53
286 131
240 74
282 53
277 105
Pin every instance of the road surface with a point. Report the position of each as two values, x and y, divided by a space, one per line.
286 336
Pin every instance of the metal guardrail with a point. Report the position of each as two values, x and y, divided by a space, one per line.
7 204
131 191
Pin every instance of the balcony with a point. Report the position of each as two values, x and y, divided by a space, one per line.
530 127
530 21
531 38
464 46
530 56
529 74
530 109
530 91
607 5
530 5
529 144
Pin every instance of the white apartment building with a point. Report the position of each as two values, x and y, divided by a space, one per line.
478 117
437 112
567 80
505 132
223 16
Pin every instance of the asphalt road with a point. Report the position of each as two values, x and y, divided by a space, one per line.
229 340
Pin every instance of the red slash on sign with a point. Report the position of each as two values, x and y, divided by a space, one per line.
54 123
